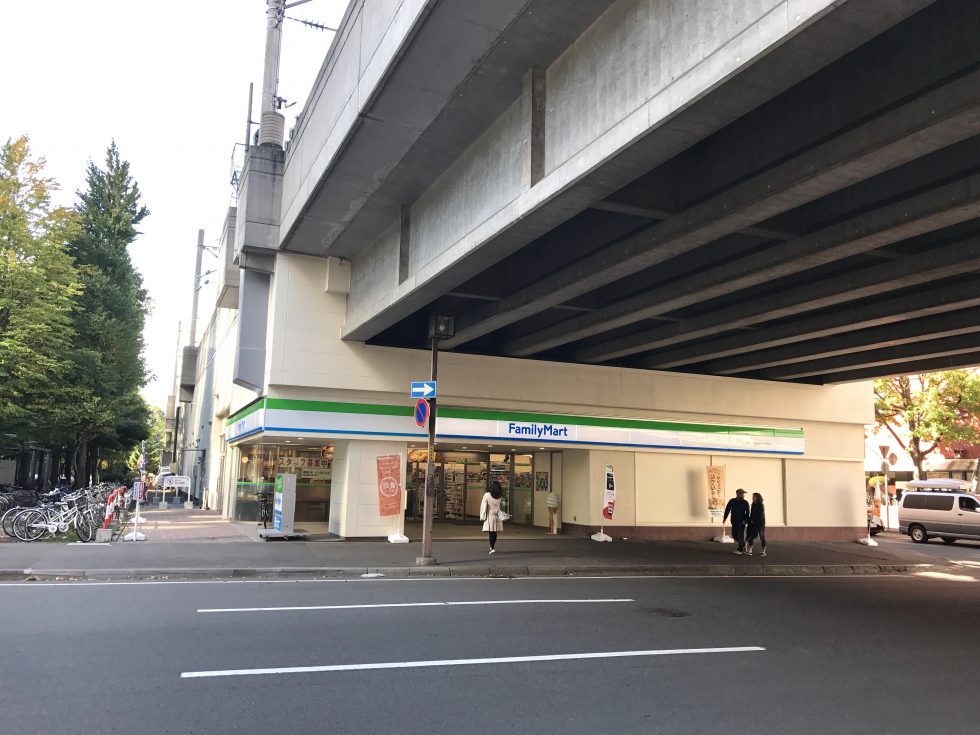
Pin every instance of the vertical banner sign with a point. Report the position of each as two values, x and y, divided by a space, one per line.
609 498
389 485
716 490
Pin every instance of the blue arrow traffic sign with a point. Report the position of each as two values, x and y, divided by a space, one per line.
424 389
421 411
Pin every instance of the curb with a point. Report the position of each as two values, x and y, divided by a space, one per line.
504 572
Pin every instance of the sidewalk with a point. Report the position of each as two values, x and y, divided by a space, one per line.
515 557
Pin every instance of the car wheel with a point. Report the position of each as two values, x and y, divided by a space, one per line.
918 534
949 540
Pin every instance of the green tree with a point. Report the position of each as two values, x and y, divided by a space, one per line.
107 371
155 444
38 288
933 408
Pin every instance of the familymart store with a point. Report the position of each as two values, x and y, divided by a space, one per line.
661 469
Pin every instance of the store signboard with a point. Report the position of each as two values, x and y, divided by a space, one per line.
326 419
315 473
296 462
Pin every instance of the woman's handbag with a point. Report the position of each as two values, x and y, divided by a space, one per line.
503 515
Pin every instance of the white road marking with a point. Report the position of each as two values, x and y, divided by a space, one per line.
564 578
462 662
402 604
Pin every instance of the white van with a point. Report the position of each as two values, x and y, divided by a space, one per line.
944 508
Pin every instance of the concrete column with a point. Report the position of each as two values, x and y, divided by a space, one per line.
532 124
404 242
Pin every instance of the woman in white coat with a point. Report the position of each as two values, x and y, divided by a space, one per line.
491 514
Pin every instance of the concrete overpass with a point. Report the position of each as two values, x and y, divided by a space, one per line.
776 189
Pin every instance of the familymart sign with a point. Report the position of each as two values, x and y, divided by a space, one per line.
276 415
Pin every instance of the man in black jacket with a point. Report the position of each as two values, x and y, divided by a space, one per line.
738 508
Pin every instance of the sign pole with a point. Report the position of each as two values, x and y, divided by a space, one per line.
428 502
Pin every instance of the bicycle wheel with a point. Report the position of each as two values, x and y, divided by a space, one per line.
8 521
30 525
85 527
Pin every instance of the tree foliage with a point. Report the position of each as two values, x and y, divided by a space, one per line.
107 368
38 288
933 409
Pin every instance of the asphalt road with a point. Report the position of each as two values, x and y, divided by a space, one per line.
826 655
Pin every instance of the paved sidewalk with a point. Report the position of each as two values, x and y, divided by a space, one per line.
515 557
179 525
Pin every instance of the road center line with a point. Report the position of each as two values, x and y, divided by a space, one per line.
461 662
402 604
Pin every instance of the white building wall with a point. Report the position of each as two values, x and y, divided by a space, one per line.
308 360
354 489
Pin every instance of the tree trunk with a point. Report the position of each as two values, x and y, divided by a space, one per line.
79 479
915 452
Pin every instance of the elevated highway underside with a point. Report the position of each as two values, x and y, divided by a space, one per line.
814 217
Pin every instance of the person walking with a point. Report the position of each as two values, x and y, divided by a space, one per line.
738 509
552 504
757 523
492 514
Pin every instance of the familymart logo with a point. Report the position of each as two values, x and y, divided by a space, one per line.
537 431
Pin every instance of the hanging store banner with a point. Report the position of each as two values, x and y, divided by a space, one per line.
609 497
389 484
716 490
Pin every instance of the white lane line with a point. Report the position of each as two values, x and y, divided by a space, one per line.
564 578
402 604
461 662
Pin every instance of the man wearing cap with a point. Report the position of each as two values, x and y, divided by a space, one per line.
738 508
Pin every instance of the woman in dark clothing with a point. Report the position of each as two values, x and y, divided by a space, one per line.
757 523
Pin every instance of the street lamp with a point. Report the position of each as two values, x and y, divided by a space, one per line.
440 327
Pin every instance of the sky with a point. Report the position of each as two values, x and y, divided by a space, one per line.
169 83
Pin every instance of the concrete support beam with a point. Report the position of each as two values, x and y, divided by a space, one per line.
253 319
943 262
867 340
404 242
947 205
533 101
950 346
897 309
939 118
925 365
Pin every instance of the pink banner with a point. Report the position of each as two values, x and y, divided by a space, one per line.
389 485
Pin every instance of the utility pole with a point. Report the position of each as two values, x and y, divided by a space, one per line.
440 327
197 288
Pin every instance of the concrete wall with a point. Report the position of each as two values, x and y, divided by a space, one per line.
639 64
820 493
306 352
307 359
478 186
354 489
369 39
576 501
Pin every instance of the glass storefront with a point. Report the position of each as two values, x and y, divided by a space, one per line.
463 477
257 467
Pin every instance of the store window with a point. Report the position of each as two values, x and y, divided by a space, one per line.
258 465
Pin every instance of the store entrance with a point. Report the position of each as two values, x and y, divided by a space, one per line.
461 480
